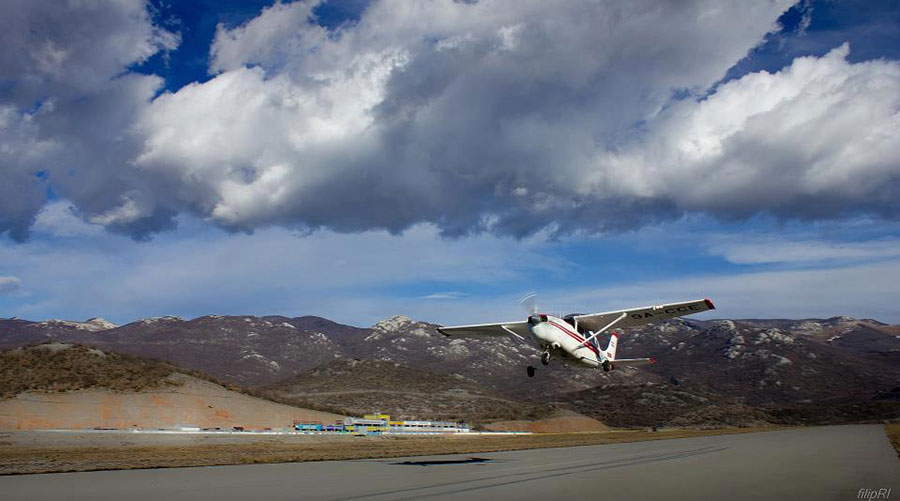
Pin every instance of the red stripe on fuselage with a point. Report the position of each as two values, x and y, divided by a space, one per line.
574 335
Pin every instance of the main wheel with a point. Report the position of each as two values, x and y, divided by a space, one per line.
545 357
531 371
606 366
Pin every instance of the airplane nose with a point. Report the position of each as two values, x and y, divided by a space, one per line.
541 332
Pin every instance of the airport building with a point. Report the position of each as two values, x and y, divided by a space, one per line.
380 424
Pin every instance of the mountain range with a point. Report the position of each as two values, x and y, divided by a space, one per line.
711 372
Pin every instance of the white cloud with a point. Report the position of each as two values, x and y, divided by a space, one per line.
278 33
21 152
9 285
434 112
817 139
71 49
781 249
59 219
68 102
510 116
445 295
128 212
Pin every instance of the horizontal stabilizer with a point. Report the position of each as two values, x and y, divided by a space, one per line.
633 362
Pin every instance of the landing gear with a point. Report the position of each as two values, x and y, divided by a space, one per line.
531 370
545 357
607 366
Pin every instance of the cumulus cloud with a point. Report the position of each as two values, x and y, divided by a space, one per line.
21 152
506 116
468 116
816 139
67 104
9 285
64 49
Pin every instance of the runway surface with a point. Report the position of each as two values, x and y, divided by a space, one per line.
817 463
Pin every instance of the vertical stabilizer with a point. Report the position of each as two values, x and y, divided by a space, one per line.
611 349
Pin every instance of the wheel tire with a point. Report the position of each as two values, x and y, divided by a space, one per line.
606 366
530 371
545 358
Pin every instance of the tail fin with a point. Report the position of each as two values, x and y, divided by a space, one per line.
611 349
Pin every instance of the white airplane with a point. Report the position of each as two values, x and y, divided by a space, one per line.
574 337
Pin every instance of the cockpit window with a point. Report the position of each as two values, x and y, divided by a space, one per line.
570 319
536 319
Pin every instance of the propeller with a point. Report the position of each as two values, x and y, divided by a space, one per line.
529 302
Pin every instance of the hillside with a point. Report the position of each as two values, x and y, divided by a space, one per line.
357 387
63 386
60 367
762 364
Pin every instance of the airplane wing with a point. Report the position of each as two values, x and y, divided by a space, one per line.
633 362
644 315
482 330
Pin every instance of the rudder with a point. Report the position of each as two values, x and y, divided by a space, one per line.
611 349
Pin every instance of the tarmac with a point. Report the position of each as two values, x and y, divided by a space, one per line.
835 462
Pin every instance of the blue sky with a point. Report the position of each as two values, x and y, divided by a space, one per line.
357 160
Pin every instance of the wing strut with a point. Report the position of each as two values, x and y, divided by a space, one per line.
614 322
515 336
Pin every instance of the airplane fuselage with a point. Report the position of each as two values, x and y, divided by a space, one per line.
564 339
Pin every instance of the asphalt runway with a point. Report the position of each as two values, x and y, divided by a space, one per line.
834 462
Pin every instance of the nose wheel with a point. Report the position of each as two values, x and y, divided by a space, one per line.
531 370
545 357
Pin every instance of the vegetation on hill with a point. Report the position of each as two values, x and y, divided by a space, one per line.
58 367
